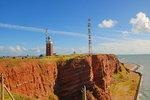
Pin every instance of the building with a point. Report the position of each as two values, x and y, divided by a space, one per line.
49 46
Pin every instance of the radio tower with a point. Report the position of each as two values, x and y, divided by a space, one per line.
89 37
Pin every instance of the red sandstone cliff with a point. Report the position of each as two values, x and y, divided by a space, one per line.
39 79
29 77
95 72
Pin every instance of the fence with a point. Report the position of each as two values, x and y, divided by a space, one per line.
3 87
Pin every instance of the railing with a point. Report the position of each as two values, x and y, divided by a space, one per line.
3 86
83 90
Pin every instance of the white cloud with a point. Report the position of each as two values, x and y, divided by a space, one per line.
128 46
19 50
107 23
1 48
16 49
19 27
141 23
125 47
40 30
37 50
125 33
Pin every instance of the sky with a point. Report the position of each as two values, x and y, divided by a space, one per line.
118 26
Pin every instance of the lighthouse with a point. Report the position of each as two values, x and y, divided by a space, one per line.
49 45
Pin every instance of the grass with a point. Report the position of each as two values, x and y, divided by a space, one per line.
124 85
15 96
64 57
11 62
52 96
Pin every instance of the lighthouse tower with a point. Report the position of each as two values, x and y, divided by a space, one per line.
49 45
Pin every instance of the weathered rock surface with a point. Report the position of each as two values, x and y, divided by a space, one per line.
29 77
66 78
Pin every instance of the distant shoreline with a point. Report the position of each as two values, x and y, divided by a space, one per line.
132 66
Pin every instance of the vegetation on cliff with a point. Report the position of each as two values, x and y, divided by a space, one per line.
63 76
124 84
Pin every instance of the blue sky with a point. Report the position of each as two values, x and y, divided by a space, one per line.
113 30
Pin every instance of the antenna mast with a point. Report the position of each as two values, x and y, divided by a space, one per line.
46 34
89 37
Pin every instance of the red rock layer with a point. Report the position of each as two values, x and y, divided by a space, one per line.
93 71
38 79
29 77
72 75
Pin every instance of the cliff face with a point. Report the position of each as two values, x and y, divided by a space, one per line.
72 75
103 67
64 78
29 77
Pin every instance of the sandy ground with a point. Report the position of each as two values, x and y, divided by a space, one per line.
130 66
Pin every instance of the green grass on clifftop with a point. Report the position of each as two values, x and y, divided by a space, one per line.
15 61
124 85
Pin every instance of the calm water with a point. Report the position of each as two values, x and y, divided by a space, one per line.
143 60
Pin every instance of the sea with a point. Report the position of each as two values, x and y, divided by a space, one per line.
144 61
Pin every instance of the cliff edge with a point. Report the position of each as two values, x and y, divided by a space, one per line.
63 77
